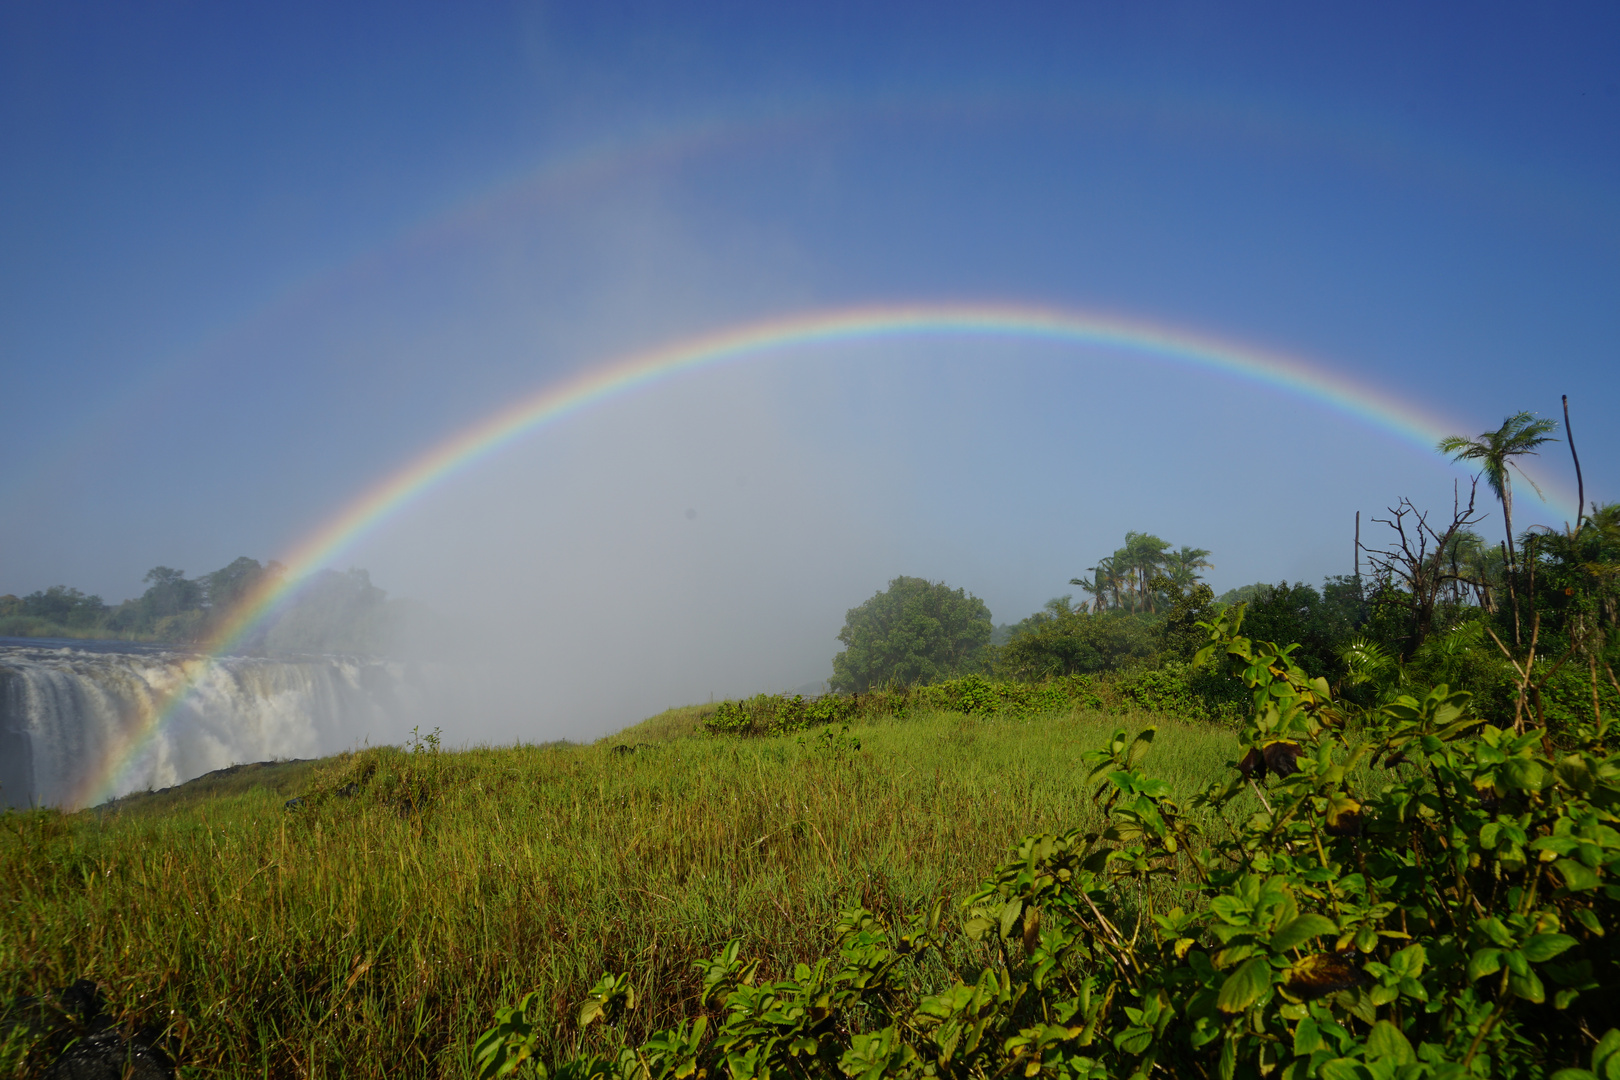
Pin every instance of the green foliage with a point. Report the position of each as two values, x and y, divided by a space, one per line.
1075 643
328 612
1142 576
781 714
1519 435
1422 895
1181 689
914 631
1318 621
1180 635
58 606
777 714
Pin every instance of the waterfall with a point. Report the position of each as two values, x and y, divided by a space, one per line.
68 708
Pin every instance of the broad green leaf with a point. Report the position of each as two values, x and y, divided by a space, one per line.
1296 932
1388 1041
1244 986
1010 913
1134 1040
1577 876
1524 774
1546 946
1573 771
1409 961
1606 1055
1307 1037
1344 1069
1527 986
1484 962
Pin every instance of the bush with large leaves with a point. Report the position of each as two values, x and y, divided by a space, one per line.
1418 895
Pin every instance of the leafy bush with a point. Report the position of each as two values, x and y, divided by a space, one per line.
1181 689
1420 895
1076 642
781 714
777 714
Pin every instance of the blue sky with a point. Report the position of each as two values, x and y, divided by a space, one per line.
254 258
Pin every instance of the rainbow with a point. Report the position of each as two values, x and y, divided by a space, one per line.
602 383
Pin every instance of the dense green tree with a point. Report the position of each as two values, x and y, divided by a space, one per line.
63 606
228 585
1180 636
169 592
1321 622
1076 643
914 631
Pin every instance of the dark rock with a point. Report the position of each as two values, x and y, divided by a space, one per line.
87 1044
108 1055
294 803
83 1000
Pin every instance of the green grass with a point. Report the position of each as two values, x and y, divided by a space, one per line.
373 934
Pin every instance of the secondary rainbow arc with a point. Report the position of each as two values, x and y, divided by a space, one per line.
382 501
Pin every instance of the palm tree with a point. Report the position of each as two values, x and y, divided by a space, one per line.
1185 564
1104 579
1144 556
1519 435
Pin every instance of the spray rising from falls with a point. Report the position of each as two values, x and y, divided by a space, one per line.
64 711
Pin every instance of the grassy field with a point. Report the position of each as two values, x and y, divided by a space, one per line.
373 929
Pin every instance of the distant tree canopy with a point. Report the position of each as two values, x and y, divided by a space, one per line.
914 631
1142 576
58 604
327 612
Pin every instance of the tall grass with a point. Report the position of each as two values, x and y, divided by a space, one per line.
372 930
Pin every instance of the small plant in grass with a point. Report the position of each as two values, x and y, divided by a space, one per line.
1444 915
834 745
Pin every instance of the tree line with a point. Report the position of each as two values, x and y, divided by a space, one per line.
329 611
1525 623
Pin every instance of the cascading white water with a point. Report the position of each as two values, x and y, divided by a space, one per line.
67 711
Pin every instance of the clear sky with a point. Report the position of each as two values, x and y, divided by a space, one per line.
255 257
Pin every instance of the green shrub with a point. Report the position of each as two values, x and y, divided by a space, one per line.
1182 689
1425 896
781 714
